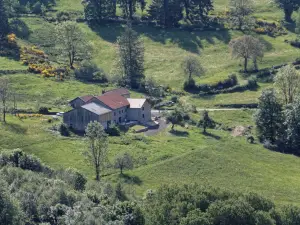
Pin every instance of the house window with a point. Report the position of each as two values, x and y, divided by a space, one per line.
115 114
143 108
120 112
143 116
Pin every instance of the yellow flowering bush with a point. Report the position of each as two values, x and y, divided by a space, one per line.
26 116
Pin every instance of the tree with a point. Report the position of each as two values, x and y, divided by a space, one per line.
292 125
4 96
288 6
98 146
71 42
191 66
124 161
98 10
268 117
197 10
166 13
131 57
246 47
9 213
176 117
129 7
240 11
4 26
206 121
287 81
297 29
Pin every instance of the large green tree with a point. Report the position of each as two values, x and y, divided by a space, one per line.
288 6
71 43
166 13
98 10
240 13
269 118
131 57
4 26
292 125
287 82
97 146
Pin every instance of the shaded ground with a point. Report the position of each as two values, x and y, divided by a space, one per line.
162 126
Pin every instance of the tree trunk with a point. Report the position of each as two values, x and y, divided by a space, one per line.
130 9
166 12
187 9
121 170
288 15
97 174
172 128
246 65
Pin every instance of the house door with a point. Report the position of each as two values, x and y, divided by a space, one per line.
120 119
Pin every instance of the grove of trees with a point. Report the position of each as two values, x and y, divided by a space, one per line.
247 48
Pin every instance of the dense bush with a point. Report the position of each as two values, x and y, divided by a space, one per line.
89 71
228 83
43 110
64 130
113 130
18 158
193 204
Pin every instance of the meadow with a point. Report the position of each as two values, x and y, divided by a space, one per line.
217 159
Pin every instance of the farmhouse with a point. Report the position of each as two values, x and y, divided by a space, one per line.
112 107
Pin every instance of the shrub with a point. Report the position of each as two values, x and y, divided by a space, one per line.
174 99
189 85
113 130
63 16
100 76
86 71
64 130
252 83
43 110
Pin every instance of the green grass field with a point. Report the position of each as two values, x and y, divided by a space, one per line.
218 159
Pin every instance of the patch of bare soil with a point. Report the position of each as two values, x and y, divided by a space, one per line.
239 131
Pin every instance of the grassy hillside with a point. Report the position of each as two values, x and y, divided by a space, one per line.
217 159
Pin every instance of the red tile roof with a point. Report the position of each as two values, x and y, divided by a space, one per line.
119 91
113 101
86 98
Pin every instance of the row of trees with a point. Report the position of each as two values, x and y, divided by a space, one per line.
167 13
277 119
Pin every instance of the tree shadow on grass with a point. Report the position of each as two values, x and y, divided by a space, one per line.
130 179
212 135
188 40
14 128
179 133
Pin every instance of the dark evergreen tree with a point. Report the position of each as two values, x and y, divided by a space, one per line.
131 57
4 27
198 10
98 10
288 6
129 7
166 13
269 118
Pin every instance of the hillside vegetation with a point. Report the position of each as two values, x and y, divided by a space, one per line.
217 159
